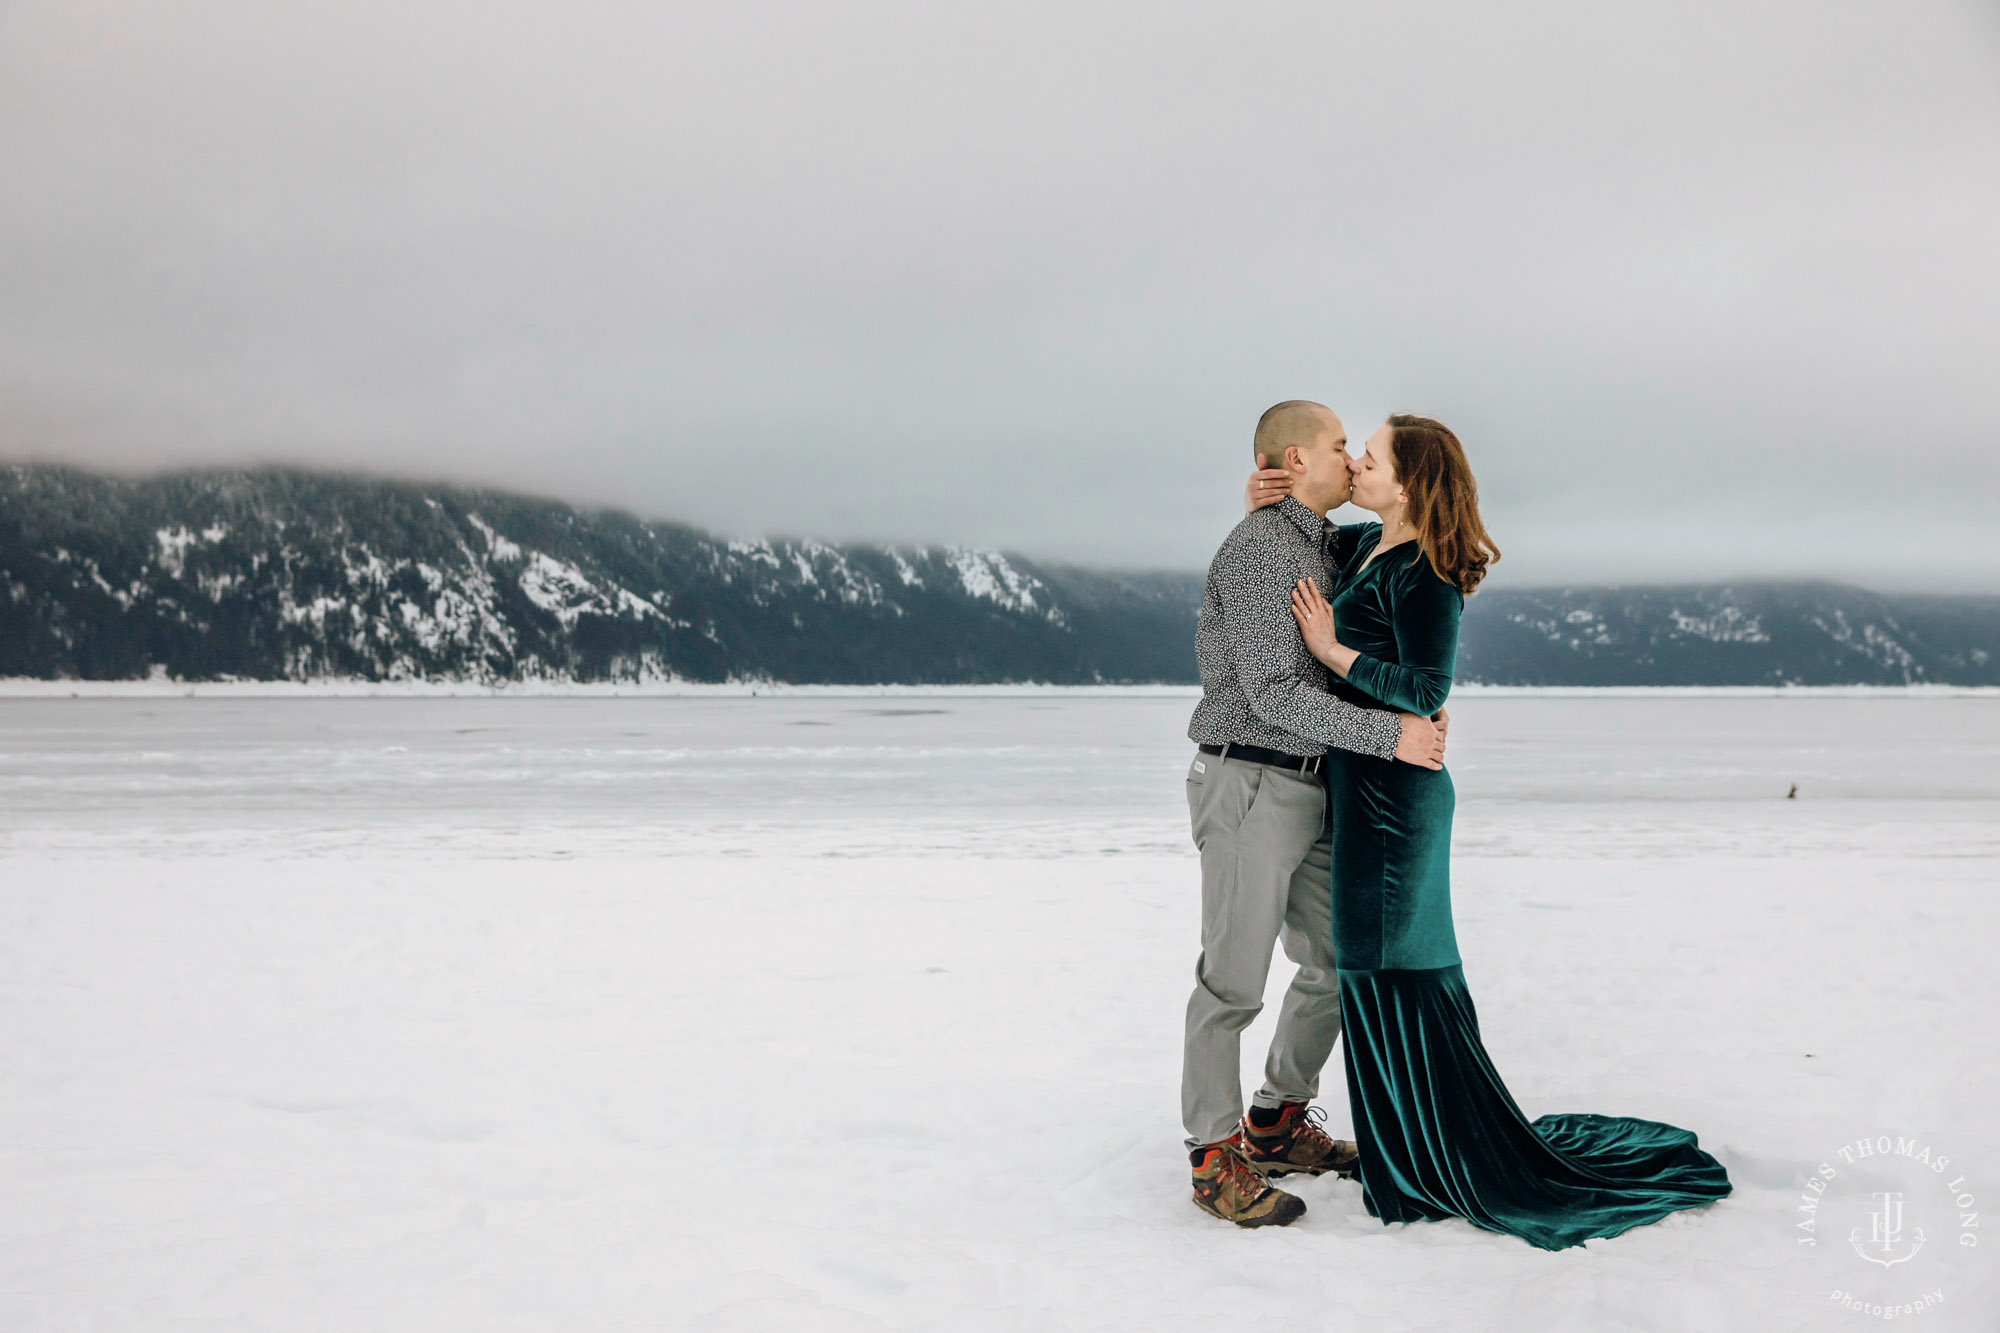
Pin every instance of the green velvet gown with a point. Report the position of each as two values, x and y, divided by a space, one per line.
1438 1133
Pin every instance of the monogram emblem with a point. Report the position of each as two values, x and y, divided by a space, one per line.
1885 1232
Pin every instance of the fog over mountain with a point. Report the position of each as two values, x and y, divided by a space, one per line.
291 575
1706 287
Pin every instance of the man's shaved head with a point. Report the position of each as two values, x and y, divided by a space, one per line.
1307 440
1295 422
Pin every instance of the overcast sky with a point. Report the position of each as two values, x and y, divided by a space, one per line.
1706 289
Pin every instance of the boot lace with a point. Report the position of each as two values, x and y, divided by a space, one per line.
1312 1125
1311 1131
1235 1171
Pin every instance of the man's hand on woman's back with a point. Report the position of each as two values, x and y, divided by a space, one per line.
1422 743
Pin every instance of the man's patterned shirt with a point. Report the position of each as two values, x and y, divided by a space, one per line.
1259 684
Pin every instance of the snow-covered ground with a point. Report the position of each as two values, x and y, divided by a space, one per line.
860 1011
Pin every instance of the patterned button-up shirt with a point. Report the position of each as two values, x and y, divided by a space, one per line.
1259 684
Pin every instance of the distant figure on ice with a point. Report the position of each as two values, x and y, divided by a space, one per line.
1437 1133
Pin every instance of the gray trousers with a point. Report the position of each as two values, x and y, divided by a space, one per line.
1265 878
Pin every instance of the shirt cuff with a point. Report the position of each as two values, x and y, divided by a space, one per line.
1384 731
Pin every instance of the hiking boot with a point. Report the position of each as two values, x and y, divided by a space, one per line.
1296 1142
1225 1186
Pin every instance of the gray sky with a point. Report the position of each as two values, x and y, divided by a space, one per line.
1707 289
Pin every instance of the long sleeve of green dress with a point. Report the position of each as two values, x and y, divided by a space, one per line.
1425 620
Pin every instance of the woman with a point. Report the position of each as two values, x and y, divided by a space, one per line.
1439 1135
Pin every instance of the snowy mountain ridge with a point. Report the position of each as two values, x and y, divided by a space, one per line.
280 574
276 574
1728 634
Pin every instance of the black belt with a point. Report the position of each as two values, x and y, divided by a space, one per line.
1257 754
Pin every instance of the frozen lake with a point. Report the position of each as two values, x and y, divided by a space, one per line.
1046 773
862 1011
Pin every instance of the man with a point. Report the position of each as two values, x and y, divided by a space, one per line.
1259 815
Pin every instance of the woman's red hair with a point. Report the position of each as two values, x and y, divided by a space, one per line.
1444 499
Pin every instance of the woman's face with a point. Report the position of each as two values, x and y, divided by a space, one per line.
1375 484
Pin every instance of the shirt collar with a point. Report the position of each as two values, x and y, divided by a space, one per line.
1304 519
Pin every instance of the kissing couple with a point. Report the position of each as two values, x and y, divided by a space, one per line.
1322 809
